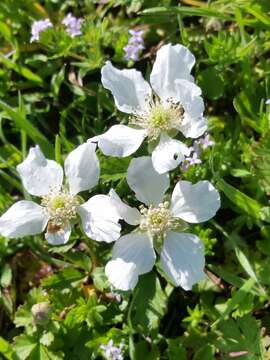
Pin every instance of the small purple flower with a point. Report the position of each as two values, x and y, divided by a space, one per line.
136 33
267 102
133 51
185 165
136 36
191 160
195 151
38 27
72 24
194 159
135 45
112 352
206 142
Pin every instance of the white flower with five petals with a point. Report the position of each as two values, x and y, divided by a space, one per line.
161 228
171 104
60 203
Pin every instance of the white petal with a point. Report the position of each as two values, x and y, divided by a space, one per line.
148 185
100 219
131 215
38 174
23 218
122 275
193 127
121 140
186 90
182 259
128 87
59 237
94 139
168 154
134 249
188 94
195 203
82 168
172 62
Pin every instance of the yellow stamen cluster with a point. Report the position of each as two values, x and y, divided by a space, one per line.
159 118
60 206
156 220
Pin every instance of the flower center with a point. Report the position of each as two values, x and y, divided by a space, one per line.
60 206
159 118
156 220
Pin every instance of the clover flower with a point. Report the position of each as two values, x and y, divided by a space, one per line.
173 104
72 24
135 45
38 27
161 228
112 352
60 204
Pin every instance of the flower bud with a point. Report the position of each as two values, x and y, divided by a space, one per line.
41 313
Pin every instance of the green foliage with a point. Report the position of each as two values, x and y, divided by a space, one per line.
260 162
149 304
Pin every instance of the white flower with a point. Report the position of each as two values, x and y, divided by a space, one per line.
161 228
173 104
60 203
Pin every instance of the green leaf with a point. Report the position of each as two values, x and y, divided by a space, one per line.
241 200
113 169
258 14
22 123
212 83
243 335
99 278
42 353
187 11
260 162
64 279
87 310
265 214
24 345
264 244
7 350
21 70
79 260
243 260
236 299
242 173
112 334
146 352
176 350
150 302
6 276
207 352
247 106
5 31
57 80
